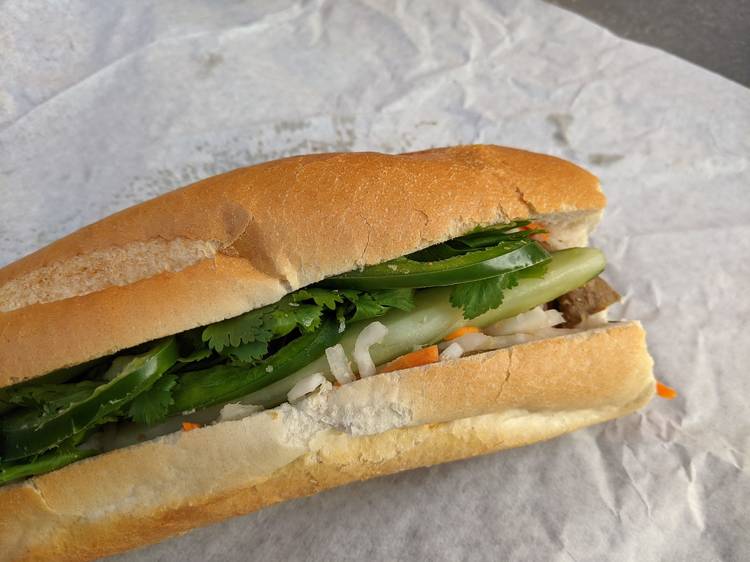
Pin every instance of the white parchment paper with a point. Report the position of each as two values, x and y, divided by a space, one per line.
106 104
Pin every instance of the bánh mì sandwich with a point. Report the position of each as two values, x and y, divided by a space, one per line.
282 329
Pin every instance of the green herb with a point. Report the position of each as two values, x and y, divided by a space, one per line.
197 355
246 338
152 406
253 326
321 297
249 353
371 304
478 297
262 325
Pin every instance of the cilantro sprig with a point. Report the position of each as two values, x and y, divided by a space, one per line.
246 338
478 297
152 406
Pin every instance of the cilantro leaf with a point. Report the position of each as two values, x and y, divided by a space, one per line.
192 347
290 315
321 297
402 299
246 337
366 307
151 407
197 355
371 304
250 352
478 297
246 328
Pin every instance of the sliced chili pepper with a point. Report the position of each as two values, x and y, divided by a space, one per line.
34 432
200 389
407 273
44 463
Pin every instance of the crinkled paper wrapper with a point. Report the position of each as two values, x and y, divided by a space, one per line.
104 105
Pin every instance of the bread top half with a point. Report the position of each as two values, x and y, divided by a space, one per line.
241 240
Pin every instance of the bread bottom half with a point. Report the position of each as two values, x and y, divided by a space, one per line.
389 423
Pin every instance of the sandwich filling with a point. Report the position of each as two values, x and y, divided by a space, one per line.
490 288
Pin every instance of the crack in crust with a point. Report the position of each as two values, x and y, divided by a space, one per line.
526 202
362 258
35 488
508 373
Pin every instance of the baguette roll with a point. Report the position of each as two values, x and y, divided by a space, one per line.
243 240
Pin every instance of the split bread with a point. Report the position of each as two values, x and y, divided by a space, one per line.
245 239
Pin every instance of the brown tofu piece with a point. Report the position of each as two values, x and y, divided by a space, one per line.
579 304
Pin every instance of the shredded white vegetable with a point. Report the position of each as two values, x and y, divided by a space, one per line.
372 334
531 321
596 320
339 364
482 342
528 326
475 342
453 351
535 324
554 317
308 385
237 411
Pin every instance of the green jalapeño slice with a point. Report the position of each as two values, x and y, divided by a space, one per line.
200 389
407 273
36 431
